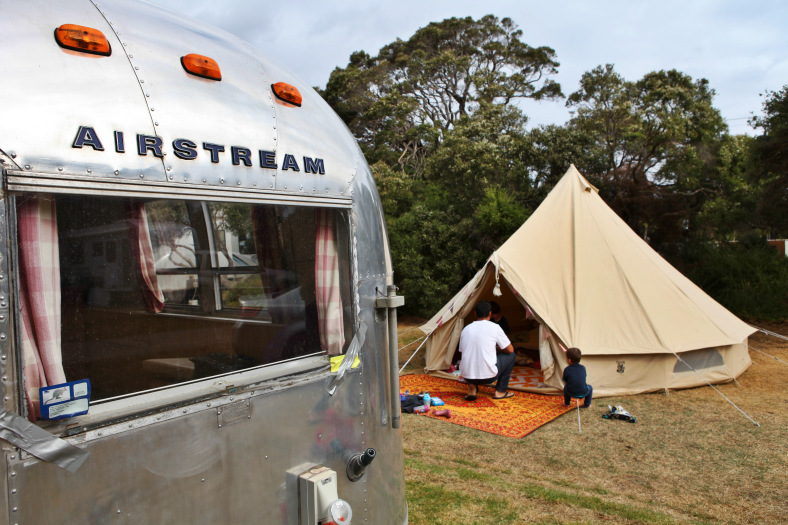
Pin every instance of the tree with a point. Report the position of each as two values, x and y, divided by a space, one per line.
658 138
771 161
400 104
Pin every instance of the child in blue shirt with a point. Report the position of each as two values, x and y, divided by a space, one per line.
575 379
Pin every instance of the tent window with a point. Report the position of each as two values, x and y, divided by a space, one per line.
698 360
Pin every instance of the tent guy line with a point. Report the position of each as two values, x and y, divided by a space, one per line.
407 345
717 390
767 355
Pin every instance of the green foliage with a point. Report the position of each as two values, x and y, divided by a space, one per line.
657 137
431 256
485 150
749 278
458 173
497 217
771 161
400 103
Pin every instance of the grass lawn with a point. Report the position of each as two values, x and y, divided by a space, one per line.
690 458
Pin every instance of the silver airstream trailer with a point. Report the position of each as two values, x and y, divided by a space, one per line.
197 317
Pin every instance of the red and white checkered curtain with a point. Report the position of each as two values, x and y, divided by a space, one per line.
329 299
39 262
143 255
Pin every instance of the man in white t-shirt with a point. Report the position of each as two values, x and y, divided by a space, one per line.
487 355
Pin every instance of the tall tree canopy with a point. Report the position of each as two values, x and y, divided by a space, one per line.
771 158
458 172
658 137
401 103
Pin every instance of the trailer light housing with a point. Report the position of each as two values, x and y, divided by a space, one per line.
82 39
201 66
287 93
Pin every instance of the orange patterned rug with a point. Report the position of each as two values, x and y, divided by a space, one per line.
525 376
515 417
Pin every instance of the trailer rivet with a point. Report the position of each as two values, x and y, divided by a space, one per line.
184 410
152 109
239 182
13 474
203 480
136 68
320 436
27 166
117 172
90 170
2 337
14 509
209 405
5 378
203 180
13 155
142 81
171 177
155 123
60 169
3 357
13 491
13 456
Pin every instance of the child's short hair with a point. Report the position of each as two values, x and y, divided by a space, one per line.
574 355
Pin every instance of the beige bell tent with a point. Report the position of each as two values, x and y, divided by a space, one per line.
575 274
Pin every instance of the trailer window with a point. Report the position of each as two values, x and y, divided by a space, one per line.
156 293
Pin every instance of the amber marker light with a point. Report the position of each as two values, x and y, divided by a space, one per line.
82 39
287 93
201 66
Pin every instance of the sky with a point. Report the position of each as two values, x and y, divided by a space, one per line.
740 47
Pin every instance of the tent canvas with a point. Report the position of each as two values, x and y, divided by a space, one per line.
574 274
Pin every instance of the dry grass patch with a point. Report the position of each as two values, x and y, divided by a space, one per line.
690 458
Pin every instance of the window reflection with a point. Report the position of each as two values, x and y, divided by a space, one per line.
155 293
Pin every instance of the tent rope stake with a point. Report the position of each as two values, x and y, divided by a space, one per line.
716 390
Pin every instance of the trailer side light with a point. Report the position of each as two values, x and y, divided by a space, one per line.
82 39
201 66
287 93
